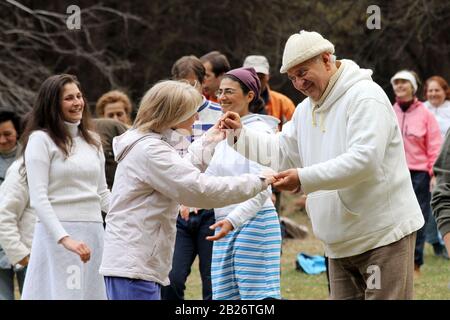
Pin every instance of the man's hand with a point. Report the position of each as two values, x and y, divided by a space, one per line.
231 124
288 181
269 174
78 247
225 227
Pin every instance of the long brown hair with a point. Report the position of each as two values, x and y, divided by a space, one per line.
47 115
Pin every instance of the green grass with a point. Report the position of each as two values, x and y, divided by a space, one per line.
433 284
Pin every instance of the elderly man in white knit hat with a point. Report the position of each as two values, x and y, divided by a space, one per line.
344 149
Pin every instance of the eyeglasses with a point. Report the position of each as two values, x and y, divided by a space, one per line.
226 92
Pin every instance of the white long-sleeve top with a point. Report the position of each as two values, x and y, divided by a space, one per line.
227 162
442 114
17 219
65 189
151 181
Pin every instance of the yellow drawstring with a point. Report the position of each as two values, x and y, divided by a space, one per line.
314 115
322 124
321 119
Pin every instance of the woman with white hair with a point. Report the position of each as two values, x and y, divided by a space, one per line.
422 140
151 181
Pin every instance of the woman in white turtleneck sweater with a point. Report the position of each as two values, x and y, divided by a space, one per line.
65 169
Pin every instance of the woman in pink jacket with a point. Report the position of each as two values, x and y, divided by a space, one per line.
422 141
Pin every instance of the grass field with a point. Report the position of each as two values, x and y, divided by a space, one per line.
433 283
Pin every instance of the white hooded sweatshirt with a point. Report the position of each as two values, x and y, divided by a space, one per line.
351 163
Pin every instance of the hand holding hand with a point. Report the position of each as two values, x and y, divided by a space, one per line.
78 247
269 174
230 120
288 181
225 228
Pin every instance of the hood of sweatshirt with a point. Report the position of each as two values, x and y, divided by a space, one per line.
349 75
272 122
123 144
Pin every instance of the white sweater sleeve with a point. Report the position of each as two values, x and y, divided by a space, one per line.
248 209
178 179
369 126
278 151
37 160
13 202
103 191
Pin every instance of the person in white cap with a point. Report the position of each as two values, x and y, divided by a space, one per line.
276 104
422 141
344 149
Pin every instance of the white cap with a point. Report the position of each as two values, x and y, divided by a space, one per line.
405 75
259 63
303 46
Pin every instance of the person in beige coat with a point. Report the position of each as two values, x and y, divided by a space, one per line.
152 179
17 220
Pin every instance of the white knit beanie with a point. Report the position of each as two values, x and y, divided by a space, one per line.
303 46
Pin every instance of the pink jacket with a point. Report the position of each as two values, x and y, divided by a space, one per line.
421 136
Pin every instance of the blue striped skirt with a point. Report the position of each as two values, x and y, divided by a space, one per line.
246 262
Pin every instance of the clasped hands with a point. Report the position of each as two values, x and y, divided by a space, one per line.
229 125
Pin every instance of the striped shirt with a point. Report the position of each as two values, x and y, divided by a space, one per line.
208 114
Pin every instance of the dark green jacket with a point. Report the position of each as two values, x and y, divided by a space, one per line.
440 201
108 129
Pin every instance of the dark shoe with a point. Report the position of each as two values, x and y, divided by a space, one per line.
440 250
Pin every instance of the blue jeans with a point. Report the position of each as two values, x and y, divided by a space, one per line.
190 242
7 282
421 185
118 288
432 233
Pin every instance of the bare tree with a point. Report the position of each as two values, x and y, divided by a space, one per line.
38 43
132 44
